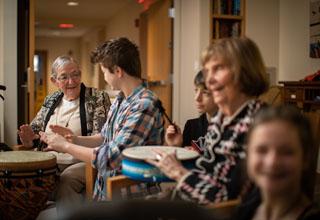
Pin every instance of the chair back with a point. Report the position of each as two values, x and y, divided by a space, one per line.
272 96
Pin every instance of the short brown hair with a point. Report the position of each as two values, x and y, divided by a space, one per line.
119 52
242 55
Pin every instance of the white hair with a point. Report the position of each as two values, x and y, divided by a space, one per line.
61 61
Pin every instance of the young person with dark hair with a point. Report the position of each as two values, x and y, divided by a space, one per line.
197 127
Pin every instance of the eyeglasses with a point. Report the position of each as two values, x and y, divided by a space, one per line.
65 77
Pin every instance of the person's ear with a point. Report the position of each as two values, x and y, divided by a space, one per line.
54 81
118 71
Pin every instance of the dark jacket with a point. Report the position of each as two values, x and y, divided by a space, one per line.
195 128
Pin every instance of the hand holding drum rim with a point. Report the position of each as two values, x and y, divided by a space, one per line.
168 164
55 142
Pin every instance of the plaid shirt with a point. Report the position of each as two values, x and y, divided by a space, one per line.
131 122
217 176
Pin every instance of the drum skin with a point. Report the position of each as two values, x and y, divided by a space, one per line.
135 167
26 180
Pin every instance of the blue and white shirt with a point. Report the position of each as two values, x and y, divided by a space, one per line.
131 121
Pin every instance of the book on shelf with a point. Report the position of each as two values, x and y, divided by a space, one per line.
226 7
229 28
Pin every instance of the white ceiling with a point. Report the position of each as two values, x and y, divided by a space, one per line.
89 14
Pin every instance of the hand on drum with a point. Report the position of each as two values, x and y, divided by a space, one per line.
27 135
63 131
168 164
173 136
55 142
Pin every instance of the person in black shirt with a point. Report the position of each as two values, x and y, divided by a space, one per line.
197 127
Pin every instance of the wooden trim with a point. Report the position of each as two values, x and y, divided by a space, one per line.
114 185
91 174
228 17
31 75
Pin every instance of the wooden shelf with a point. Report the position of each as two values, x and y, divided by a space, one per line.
227 18
305 95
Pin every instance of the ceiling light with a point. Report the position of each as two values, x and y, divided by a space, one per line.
66 26
73 3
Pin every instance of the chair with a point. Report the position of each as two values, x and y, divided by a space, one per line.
272 96
116 183
91 174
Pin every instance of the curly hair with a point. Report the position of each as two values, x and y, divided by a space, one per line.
119 52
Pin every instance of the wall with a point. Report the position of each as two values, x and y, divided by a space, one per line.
8 70
262 25
294 41
281 30
191 36
87 43
123 23
1 66
56 47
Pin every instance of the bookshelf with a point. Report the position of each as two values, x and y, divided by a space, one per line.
227 18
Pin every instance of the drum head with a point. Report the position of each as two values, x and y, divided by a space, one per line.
26 160
135 167
146 152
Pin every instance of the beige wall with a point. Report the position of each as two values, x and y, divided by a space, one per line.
262 25
87 43
191 36
123 23
56 47
294 41
1 65
8 70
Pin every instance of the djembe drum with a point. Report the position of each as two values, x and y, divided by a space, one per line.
135 167
26 180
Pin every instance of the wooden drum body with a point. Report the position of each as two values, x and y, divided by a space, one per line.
135 167
26 180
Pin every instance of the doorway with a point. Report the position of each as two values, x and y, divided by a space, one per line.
156 46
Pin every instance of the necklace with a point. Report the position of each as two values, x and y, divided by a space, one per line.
66 124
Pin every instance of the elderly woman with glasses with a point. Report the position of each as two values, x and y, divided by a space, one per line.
81 109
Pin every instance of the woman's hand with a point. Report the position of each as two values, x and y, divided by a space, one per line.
173 136
27 135
168 164
55 142
63 131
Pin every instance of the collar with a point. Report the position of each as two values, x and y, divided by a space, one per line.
133 95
